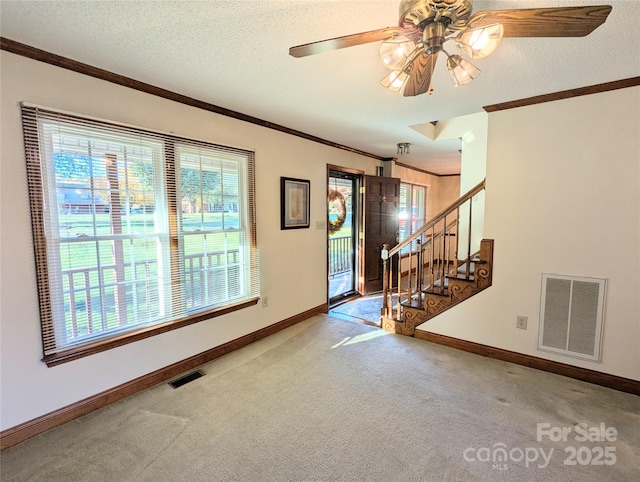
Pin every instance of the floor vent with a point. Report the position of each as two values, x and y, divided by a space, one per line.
186 379
571 312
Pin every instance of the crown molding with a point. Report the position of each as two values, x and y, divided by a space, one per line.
565 94
406 166
63 62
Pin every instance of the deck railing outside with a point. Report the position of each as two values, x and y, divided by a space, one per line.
340 255
89 303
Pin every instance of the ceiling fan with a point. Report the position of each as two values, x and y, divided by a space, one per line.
411 49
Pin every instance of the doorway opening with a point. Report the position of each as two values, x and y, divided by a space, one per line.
343 219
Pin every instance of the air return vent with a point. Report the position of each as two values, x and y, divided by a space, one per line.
571 312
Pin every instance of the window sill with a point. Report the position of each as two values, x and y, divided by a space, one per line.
97 347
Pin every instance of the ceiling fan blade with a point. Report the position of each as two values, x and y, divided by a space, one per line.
420 78
342 42
544 22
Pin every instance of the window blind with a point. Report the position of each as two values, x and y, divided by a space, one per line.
134 229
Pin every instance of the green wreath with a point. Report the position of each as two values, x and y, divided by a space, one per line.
337 223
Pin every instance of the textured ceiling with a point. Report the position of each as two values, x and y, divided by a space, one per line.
235 54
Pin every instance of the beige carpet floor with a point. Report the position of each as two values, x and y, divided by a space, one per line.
329 399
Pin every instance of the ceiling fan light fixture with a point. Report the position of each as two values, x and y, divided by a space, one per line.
462 72
395 80
394 52
403 148
480 42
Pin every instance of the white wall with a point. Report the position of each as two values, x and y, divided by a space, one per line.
472 130
293 262
562 196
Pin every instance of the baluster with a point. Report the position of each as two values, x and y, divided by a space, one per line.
147 276
441 257
410 283
419 270
447 247
332 269
192 282
438 262
346 253
103 298
72 306
385 281
397 317
210 272
399 277
349 254
467 271
432 260
334 256
88 307
457 254
390 284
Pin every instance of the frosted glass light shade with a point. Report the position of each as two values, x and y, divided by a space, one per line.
480 42
462 72
395 80
395 52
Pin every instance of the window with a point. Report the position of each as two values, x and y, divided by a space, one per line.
135 232
412 211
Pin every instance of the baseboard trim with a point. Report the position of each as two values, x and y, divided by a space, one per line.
26 430
598 378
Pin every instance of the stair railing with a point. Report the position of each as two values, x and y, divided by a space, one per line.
427 257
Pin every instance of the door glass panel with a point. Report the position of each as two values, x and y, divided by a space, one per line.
412 214
341 209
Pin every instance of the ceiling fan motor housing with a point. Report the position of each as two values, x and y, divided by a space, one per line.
415 15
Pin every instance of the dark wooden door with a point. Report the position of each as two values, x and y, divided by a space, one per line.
382 198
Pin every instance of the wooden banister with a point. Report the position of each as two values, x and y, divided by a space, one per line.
434 250
439 217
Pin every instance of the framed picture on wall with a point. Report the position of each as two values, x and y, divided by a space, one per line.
294 203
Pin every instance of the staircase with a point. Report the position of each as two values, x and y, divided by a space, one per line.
427 273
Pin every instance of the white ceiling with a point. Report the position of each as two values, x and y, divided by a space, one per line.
234 54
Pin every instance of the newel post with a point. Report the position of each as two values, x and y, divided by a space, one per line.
384 254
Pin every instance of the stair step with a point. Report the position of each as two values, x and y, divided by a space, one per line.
425 305
436 285
462 267
460 277
427 292
413 304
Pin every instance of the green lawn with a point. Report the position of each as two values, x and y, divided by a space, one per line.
79 254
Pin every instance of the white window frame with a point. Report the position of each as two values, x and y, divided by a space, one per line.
408 209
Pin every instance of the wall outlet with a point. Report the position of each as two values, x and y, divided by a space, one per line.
265 301
521 322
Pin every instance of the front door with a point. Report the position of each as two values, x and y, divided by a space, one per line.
382 198
342 210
